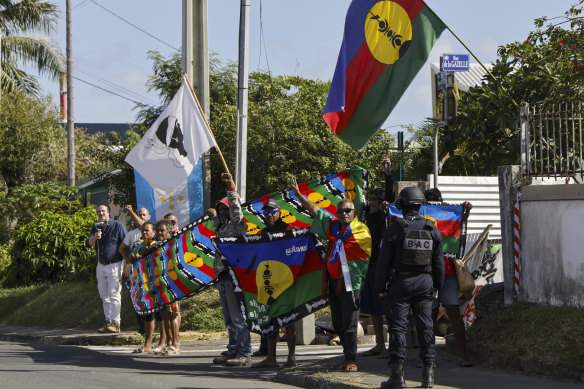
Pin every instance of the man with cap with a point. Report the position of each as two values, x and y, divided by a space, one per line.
344 268
274 223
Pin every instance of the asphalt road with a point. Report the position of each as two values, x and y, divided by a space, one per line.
32 365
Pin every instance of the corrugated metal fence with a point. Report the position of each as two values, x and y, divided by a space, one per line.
482 192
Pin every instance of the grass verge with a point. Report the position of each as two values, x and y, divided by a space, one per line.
530 338
77 305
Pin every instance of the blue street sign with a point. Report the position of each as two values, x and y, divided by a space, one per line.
455 62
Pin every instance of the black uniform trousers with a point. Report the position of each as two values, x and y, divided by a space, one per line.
415 291
345 316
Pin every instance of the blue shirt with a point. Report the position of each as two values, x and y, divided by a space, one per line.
106 248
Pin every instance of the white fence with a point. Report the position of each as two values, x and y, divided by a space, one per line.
482 192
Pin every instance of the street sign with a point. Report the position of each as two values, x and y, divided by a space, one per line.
440 80
455 62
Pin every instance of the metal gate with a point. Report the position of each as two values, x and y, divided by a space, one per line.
551 142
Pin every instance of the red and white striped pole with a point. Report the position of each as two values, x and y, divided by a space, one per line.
517 242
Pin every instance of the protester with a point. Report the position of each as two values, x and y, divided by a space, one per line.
228 221
131 238
172 219
409 269
274 223
448 294
377 221
168 344
106 236
346 265
144 247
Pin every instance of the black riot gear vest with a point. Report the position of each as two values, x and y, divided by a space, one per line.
417 245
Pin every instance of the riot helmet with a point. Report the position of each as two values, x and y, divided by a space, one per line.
408 197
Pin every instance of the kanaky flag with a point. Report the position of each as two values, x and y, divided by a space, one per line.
385 44
173 145
449 222
277 277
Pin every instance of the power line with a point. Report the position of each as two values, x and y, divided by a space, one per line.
108 91
76 7
144 100
115 86
133 25
262 39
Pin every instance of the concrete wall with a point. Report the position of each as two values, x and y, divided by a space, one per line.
552 237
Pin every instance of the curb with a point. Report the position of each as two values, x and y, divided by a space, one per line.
85 339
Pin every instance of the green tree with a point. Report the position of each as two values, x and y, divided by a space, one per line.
546 68
286 133
33 145
21 205
17 19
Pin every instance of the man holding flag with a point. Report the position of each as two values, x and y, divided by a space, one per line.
346 265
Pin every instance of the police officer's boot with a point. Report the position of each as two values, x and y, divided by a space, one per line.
428 374
396 380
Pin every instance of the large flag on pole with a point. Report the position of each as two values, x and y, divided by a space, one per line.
185 201
385 44
173 145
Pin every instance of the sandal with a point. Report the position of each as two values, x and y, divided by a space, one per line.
139 350
351 367
290 364
171 350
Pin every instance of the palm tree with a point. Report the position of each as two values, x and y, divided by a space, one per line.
20 17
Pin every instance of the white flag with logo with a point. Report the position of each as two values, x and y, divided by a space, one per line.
172 146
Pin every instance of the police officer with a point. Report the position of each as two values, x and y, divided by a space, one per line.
410 270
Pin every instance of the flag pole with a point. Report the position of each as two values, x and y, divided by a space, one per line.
476 58
206 122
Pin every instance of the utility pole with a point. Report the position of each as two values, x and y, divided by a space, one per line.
70 118
195 63
241 145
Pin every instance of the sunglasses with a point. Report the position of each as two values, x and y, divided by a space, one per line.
270 211
344 210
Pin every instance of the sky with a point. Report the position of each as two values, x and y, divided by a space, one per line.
300 37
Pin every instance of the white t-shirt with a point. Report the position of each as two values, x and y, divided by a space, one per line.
132 237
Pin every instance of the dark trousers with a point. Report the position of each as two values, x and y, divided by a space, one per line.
264 344
413 291
345 316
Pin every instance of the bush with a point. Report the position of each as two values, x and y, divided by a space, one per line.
5 261
51 248
22 204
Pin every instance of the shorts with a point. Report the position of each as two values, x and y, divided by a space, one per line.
173 309
149 317
371 303
448 294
